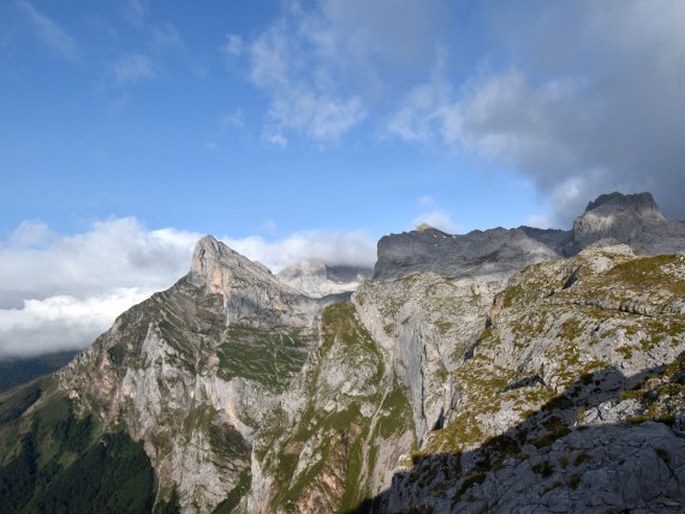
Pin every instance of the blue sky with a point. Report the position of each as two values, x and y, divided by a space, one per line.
295 129
208 117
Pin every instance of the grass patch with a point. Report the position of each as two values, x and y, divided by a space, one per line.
271 357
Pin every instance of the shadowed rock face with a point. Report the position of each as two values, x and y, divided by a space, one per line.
634 219
490 252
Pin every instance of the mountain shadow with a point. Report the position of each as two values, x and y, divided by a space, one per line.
608 443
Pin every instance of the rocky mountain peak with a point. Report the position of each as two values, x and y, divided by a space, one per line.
490 252
307 267
214 264
479 372
422 227
641 204
635 219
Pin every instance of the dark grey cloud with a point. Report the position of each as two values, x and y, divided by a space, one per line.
582 98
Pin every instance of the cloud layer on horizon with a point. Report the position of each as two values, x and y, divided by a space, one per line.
58 292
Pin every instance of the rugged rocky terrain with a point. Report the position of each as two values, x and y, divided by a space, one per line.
504 370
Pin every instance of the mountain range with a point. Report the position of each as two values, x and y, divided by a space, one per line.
506 370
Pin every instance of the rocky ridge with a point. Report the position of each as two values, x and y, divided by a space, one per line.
499 370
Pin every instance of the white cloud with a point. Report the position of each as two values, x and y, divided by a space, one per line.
116 253
275 139
53 36
211 145
352 248
304 95
320 118
133 68
63 322
60 291
425 201
235 119
166 37
269 226
539 221
325 66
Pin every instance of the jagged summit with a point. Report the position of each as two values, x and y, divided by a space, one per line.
642 204
633 219
216 266
486 252
425 227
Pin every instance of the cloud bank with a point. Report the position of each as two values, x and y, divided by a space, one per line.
58 292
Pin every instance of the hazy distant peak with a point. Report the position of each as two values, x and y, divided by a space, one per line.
316 278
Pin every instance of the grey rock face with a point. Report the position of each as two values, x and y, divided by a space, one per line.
490 252
594 341
193 371
635 220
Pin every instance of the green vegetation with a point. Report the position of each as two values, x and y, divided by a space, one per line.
581 458
661 394
649 273
270 357
443 326
341 456
234 496
14 405
395 413
170 506
63 464
469 481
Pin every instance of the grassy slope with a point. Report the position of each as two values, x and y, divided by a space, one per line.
53 462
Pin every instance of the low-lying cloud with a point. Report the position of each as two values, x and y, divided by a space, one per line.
58 292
